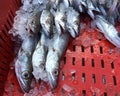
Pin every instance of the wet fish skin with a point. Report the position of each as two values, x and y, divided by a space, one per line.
23 70
39 59
23 65
54 56
52 68
108 30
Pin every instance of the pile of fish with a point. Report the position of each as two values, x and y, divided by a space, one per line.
45 28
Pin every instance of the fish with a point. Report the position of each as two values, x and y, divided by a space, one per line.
38 63
23 70
73 22
54 56
60 19
39 59
108 8
108 30
23 64
33 24
111 17
47 21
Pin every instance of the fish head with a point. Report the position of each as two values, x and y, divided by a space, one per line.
52 69
60 21
73 23
46 21
53 78
33 25
23 72
24 79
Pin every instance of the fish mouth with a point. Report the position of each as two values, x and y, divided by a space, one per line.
24 84
52 81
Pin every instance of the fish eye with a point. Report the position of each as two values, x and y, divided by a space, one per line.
25 75
55 72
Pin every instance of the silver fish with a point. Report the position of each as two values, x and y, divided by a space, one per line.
73 22
23 65
54 55
108 30
39 59
60 18
23 70
33 24
46 21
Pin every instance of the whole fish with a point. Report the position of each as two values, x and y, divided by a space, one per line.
23 65
23 70
73 22
47 21
108 30
54 55
39 58
38 62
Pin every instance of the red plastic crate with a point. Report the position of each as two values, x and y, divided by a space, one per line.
90 67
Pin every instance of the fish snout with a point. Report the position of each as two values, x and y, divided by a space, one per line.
25 81
53 79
